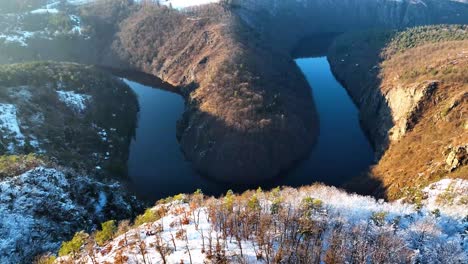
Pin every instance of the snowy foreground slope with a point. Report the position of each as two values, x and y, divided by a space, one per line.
41 207
316 224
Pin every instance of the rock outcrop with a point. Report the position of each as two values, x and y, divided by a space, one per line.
456 157
412 105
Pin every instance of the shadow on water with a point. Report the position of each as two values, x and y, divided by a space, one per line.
314 46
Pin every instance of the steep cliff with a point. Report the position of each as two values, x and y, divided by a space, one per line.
413 106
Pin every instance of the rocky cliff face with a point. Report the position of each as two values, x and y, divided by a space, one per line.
412 105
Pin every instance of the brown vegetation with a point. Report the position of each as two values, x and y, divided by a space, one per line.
417 83
250 113
441 121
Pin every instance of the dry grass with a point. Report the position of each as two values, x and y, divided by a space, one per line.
417 159
408 60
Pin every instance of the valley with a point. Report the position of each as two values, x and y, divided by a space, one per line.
223 98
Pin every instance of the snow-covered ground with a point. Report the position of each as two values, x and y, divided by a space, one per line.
448 195
18 36
76 102
43 206
15 33
45 10
184 231
9 126
178 4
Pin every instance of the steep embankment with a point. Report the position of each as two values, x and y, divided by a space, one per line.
250 112
414 106
68 125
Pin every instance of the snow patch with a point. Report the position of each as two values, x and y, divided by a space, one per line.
45 11
9 126
448 195
102 201
179 4
77 24
20 37
76 102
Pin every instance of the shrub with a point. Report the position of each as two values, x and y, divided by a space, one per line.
107 233
74 245
254 203
180 198
147 217
60 22
45 259
13 165
276 206
310 205
229 200
379 218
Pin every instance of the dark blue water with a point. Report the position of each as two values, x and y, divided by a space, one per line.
342 151
157 167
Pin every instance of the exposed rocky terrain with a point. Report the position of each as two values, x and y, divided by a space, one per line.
44 206
412 105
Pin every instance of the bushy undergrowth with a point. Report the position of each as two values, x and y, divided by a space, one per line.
315 224
12 165
417 36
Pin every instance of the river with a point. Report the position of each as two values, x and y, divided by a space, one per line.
157 167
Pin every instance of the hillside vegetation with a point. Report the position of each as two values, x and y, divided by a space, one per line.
412 90
62 127
250 112
64 114
315 224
